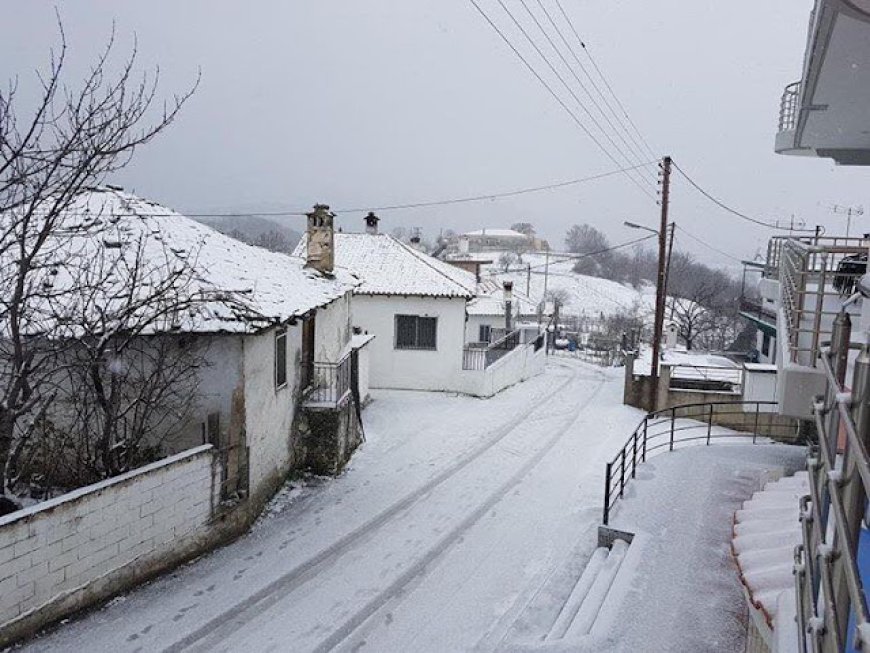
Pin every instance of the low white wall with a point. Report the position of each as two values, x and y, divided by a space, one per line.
759 384
520 364
63 554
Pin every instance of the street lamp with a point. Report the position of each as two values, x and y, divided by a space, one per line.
661 295
634 225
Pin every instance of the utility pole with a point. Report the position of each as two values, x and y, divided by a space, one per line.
528 279
673 228
658 327
546 271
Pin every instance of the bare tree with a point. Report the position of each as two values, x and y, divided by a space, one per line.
700 312
274 241
586 239
506 260
71 140
525 228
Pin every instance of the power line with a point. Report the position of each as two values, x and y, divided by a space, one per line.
709 246
425 204
727 208
603 78
570 69
512 193
634 146
549 89
567 86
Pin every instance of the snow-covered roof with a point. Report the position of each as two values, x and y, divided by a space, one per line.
497 233
231 286
387 266
490 300
766 530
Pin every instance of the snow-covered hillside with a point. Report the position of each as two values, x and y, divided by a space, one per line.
589 296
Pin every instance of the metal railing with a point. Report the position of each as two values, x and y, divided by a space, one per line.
665 429
706 378
775 246
789 107
828 585
479 358
331 382
813 281
758 309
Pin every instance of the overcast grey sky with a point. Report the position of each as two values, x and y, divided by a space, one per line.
361 103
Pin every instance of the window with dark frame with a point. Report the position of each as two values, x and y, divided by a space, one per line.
416 332
485 332
280 358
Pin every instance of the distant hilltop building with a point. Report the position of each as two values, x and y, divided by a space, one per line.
496 240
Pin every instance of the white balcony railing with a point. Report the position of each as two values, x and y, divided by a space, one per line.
789 107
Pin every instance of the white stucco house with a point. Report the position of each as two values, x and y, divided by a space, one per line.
273 333
499 240
416 306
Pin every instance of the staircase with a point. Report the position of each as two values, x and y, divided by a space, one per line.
590 594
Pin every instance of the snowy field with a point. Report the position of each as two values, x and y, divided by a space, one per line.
461 525
585 295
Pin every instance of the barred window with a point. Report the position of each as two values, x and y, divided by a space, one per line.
280 358
415 332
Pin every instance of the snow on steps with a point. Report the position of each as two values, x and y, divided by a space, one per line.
586 619
593 591
766 531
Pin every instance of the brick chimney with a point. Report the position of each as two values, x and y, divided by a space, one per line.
372 223
321 245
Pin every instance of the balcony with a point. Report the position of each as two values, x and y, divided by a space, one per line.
805 284
824 114
330 385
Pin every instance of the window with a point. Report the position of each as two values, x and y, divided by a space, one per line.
415 332
308 331
280 358
485 333
765 345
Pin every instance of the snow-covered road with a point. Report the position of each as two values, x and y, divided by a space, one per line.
451 521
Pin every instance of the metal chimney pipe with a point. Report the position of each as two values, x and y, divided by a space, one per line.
508 301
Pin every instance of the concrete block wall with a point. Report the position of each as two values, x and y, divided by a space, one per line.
77 549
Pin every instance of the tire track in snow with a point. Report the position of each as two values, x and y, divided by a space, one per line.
238 615
417 571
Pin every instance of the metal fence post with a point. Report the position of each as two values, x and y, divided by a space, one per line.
853 496
645 424
673 417
755 430
607 473
622 474
709 424
634 455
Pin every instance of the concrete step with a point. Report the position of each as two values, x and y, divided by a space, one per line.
578 594
589 594
591 606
